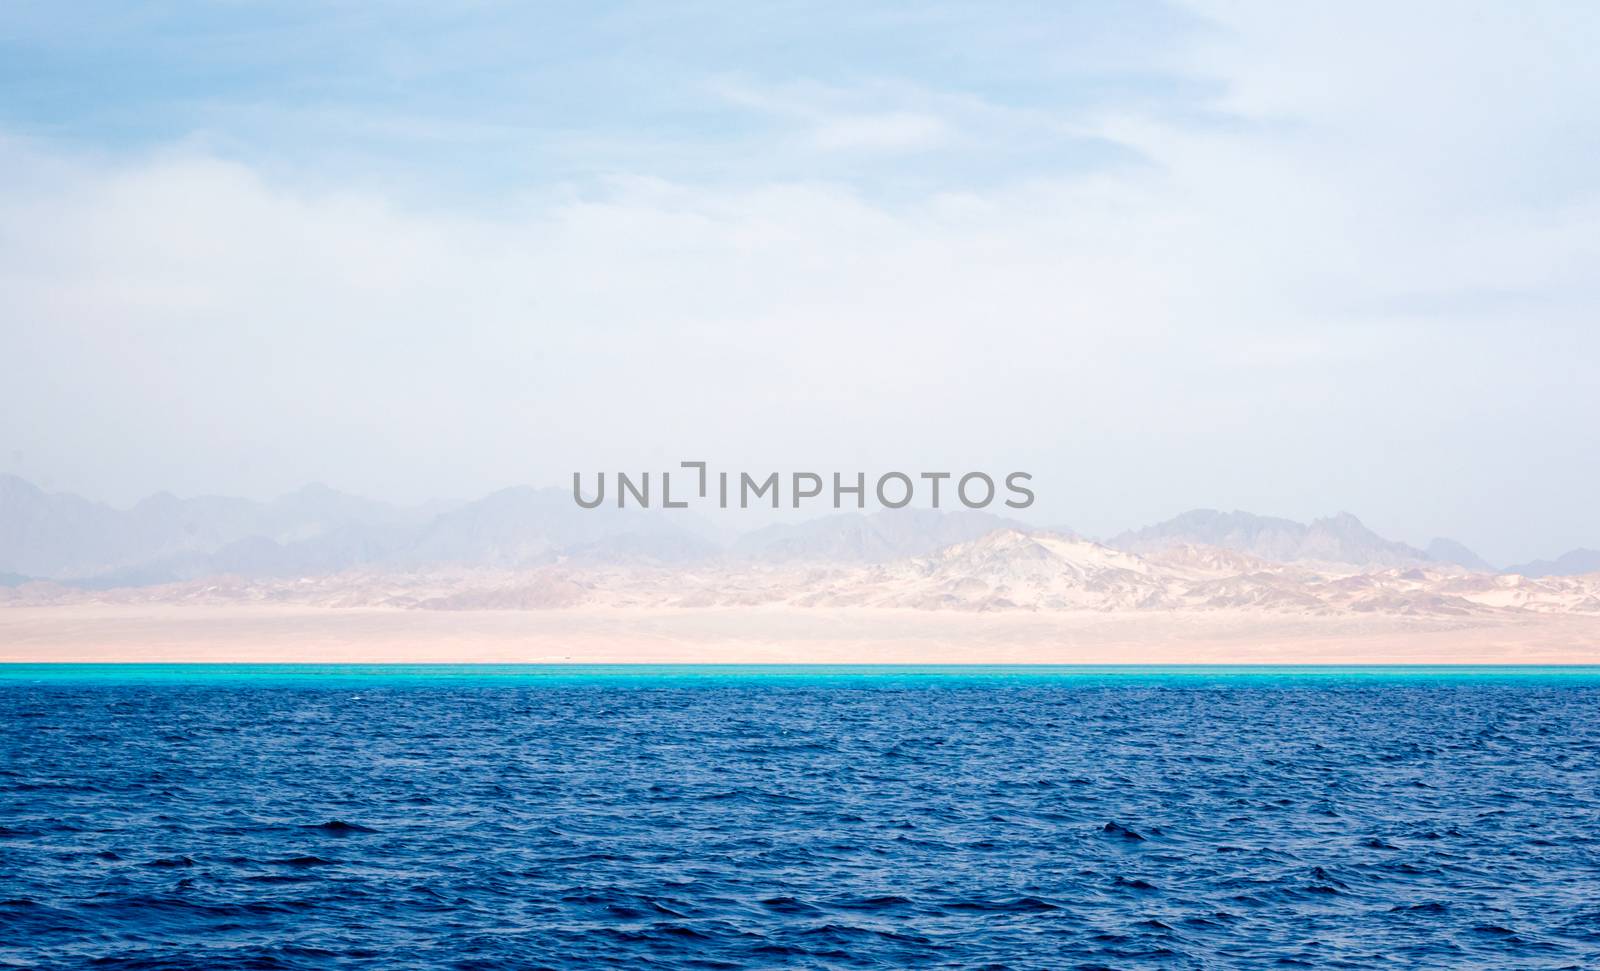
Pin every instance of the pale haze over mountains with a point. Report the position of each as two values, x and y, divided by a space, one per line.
318 531
1183 253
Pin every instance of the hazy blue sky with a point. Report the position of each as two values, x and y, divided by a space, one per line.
1291 258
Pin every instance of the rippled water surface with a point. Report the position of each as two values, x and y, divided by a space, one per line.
212 817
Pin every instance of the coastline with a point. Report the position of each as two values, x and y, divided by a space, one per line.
265 633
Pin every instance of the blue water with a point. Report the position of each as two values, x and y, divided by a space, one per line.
186 816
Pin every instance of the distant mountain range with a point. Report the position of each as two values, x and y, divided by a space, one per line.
318 531
1335 539
64 536
1569 564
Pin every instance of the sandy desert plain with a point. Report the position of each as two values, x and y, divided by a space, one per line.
1007 597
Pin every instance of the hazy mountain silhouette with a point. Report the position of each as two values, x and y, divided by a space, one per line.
320 531
1570 563
1443 550
65 536
524 526
1341 538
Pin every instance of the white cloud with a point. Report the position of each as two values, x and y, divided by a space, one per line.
890 132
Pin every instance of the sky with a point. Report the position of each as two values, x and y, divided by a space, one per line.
1287 258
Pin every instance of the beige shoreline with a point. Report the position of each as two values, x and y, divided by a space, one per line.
776 634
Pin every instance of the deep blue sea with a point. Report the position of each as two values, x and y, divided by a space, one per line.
193 816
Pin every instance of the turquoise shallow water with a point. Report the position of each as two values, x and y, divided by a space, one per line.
703 817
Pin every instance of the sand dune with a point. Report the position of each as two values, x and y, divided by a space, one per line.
1008 596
